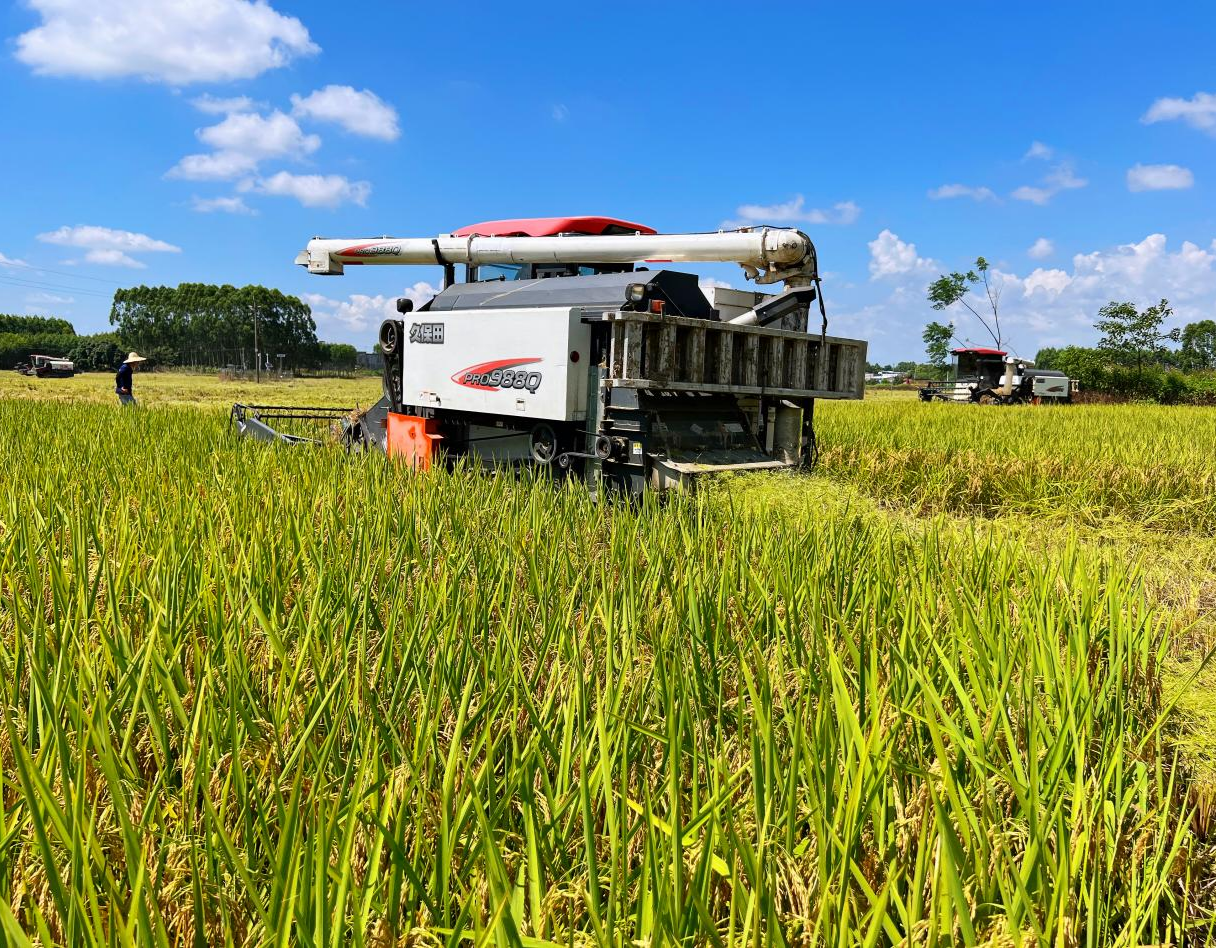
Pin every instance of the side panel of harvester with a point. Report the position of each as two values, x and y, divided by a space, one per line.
527 364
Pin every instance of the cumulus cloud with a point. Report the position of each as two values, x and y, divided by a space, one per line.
241 142
360 313
108 247
259 136
1050 281
180 42
794 211
1060 178
1199 112
1046 307
1159 178
1041 248
220 106
892 257
1039 150
214 166
93 237
947 191
359 112
311 190
227 205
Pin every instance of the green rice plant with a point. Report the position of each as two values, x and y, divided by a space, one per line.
1153 464
261 695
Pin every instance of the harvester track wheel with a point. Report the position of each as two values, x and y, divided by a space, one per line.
603 447
544 444
563 461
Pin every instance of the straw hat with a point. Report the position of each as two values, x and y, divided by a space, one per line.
134 357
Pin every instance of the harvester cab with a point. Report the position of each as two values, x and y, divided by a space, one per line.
986 376
557 349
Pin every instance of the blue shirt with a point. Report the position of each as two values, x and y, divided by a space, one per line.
123 379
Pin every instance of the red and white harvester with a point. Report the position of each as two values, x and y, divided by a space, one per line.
569 342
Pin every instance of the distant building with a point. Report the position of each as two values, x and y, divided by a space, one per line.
369 360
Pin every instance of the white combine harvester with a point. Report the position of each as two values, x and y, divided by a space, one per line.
556 348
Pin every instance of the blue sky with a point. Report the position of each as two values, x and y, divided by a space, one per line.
207 140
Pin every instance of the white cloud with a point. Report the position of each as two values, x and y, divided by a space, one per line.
1159 178
1039 150
177 42
215 166
41 297
312 190
259 136
1047 307
1052 281
962 190
1198 112
1060 178
114 258
241 141
218 106
360 313
227 205
1041 248
361 113
106 246
793 211
560 113
11 262
892 257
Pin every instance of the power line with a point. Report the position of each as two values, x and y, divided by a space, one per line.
18 265
56 287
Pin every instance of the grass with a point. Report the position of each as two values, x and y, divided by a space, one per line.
259 695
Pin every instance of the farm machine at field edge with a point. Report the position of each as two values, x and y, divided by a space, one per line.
985 376
557 349
47 367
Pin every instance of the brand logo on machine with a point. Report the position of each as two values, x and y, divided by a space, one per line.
427 332
499 374
371 250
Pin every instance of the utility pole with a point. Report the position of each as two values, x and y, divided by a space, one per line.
257 350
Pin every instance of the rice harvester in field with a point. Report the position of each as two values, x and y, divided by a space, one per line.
985 376
48 367
554 346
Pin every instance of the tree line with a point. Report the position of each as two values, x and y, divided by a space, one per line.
1134 356
192 323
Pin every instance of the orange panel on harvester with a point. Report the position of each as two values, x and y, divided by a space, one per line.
413 440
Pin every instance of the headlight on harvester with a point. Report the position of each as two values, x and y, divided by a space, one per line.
635 292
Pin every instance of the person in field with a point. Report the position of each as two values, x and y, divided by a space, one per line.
122 381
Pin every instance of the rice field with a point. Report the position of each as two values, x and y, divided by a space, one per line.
1153 464
254 695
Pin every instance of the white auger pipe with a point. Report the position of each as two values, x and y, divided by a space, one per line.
784 252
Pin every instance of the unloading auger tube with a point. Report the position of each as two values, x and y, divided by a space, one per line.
766 254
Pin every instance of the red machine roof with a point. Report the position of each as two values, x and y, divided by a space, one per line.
549 226
980 350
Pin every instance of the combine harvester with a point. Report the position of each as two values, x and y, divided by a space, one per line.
983 376
48 367
557 349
